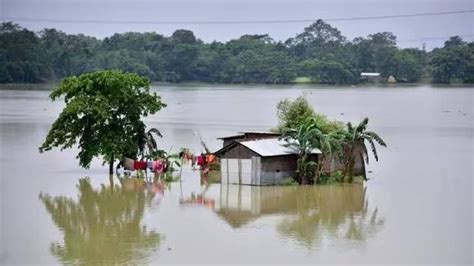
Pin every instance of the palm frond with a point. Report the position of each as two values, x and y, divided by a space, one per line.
151 142
350 128
377 138
366 153
150 139
363 125
374 150
156 131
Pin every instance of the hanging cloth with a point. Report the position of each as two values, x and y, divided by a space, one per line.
200 160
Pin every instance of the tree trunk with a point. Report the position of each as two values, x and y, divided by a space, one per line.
111 165
301 170
317 174
303 180
111 180
351 170
348 159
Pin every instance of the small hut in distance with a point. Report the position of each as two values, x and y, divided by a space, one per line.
371 77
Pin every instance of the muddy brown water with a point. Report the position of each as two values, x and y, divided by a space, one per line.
417 207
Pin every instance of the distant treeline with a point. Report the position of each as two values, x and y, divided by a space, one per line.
320 52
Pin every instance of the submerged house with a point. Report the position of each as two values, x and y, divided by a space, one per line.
258 162
260 158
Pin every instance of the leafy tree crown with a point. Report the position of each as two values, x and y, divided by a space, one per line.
102 115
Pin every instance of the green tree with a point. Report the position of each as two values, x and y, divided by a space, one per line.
454 63
127 61
355 140
257 59
320 52
103 115
294 113
180 62
304 140
318 40
376 53
252 66
454 41
22 55
409 65
328 72
184 37
307 137
212 60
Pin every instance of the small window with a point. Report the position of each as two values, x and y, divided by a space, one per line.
278 170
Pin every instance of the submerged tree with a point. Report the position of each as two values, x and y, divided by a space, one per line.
355 139
303 141
103 115
307 137
294 113
305 130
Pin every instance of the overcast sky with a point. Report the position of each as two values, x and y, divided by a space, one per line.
411 32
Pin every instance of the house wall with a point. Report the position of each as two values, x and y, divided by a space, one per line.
239 151
276 168
272 170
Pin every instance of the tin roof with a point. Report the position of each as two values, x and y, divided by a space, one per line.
243 134
232 137
271 147
261 132
370 74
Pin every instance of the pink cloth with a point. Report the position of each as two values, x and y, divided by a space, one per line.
200 160
158 166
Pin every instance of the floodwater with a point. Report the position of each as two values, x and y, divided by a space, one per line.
416 208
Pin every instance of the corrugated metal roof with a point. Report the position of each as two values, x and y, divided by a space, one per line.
244 133
260 132
232 137
271 147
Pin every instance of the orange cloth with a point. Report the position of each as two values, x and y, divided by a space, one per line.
210 158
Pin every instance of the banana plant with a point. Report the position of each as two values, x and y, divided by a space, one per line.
355 140
303 140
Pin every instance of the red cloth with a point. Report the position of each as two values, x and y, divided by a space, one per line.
200 160
139 165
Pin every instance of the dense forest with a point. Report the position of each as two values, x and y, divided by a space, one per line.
320 53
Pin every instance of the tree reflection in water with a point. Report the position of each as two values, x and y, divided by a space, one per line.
335 212
102 226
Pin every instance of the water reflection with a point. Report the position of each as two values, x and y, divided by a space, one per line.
198 199
308 213
103 225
